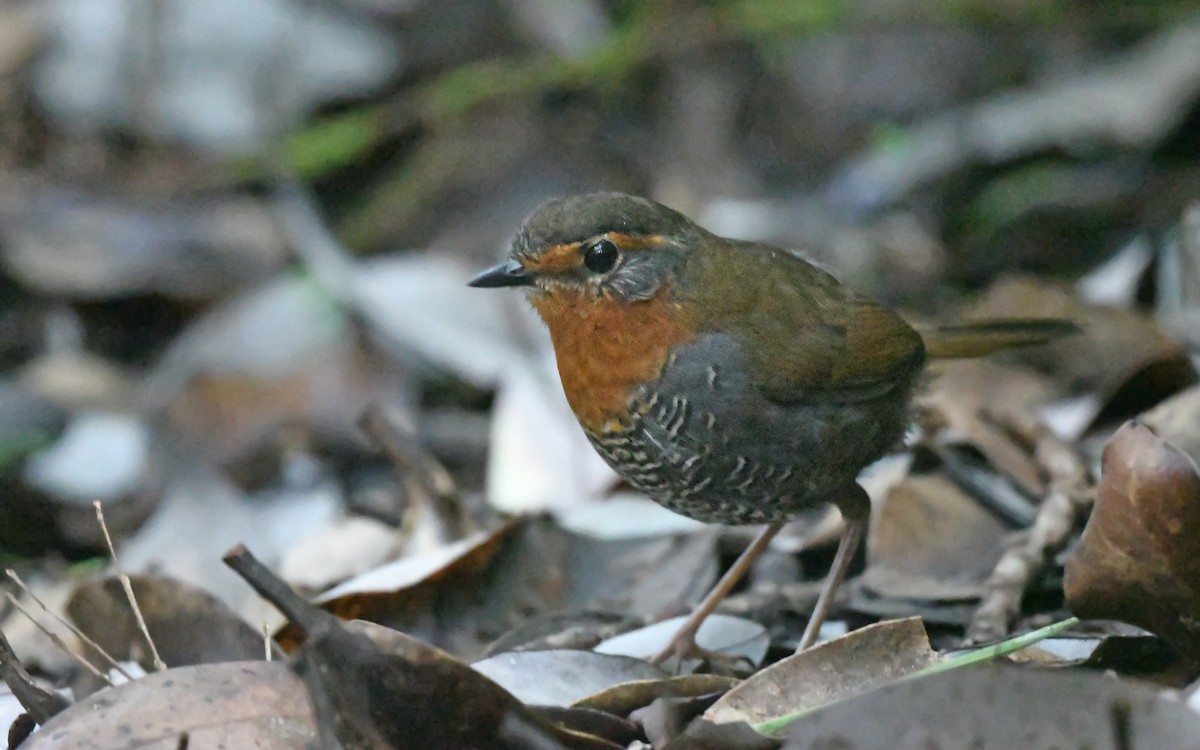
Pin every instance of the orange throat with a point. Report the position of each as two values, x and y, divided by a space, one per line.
606 348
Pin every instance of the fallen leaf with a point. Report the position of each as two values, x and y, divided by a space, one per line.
628 696
574 630
929 541
539 458
463 557
562 678
661 577
347 547
1177 420
188 625
279 355
999 708
624 515
666 718
201 515
1138 560
586 722
829 672
407 695
464 595
732 636
1143 364
235 704
967 395
423 304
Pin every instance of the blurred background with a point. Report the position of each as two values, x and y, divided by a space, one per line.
228 230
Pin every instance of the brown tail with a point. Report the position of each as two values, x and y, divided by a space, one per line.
987 336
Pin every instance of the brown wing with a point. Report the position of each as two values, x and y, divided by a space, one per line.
804 335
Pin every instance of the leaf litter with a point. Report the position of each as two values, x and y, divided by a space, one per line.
510 588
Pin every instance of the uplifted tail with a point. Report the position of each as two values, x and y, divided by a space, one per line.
987 336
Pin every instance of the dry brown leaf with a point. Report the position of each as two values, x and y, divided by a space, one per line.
1178 420
929 541
586 722
235 704
1130 344
188 625
832 671
276 360
466 595
629 696
967 396
407 695
1138 560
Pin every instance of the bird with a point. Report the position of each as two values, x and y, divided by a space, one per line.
730 381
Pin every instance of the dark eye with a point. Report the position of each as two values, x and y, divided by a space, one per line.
600 257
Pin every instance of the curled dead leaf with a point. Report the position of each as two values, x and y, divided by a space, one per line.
1143 363
1139 558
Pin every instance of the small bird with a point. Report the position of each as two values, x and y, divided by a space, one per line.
730 381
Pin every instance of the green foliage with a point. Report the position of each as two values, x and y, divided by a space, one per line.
22 444
1013 194
333 142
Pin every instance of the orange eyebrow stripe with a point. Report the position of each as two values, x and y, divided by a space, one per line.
635 242
556 259
566 255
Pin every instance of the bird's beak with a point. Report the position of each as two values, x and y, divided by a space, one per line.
511 273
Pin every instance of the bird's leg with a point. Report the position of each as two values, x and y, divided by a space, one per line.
684 640
855 507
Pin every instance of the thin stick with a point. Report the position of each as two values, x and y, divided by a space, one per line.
1068 494
125 584
304 615
12 574
425 476
40 703
57 641
266 631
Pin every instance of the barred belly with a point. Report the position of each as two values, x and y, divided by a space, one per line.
729 455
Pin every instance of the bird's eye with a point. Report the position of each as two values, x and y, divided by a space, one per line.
601 256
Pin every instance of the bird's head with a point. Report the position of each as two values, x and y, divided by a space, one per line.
600 245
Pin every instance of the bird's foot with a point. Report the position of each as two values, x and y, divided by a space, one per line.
680 648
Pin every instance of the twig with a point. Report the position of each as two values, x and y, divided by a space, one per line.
41 704
12 574
425 476
58 641
298 610
125 584
1068 493
995 491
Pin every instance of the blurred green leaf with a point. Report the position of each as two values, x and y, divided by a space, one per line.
21 445
333 142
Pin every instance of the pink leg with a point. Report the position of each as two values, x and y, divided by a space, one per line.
851 537
684 640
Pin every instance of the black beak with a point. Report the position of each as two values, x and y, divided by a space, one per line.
511 273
